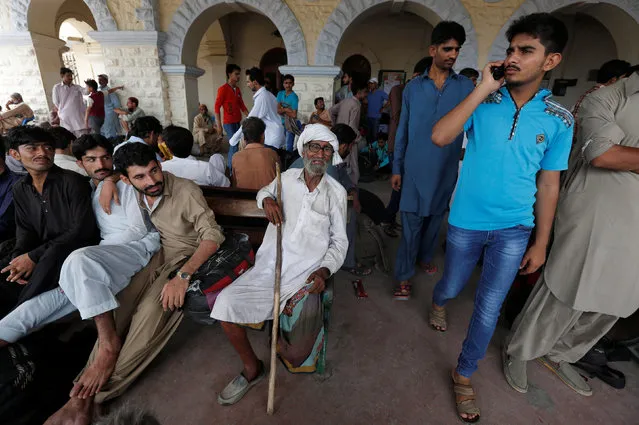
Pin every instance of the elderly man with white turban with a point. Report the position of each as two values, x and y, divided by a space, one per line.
314 245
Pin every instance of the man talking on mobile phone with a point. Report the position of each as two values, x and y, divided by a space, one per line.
519 141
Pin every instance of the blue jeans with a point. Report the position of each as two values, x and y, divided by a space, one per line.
503 252
230 130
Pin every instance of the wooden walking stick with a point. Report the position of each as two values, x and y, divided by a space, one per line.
276 300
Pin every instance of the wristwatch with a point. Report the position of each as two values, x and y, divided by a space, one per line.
184 275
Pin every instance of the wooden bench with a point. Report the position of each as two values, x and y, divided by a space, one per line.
236 210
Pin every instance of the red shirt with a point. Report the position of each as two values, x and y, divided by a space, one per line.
97 110
230 99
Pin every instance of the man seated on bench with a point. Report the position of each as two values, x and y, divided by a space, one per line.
314 245
16 112
149 311
176 144
53 218
92 276
346 138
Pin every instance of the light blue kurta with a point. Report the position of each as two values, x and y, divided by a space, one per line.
111 126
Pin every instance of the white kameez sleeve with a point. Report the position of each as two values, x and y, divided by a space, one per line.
55 97
269 191
338 245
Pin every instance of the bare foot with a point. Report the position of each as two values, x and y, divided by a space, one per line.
467 395
75 412
98 373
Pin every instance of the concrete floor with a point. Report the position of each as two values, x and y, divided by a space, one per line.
388 367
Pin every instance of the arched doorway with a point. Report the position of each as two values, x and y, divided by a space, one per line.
82 54
47 20
348 14
270 64
272 24
357 65
598 32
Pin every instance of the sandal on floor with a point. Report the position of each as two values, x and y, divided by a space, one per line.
390 230
358 270
468 406
402 292
429 268
437 318
239 386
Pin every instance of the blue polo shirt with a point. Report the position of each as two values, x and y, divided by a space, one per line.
290 101
506 148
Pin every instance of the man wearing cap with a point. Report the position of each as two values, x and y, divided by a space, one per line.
377 100
314 245
111 127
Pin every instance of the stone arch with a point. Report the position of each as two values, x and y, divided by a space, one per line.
101 13
432 11
498 49
193 16
359 49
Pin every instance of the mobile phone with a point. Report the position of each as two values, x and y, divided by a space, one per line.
498 72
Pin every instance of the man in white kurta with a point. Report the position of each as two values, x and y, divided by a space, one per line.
265 108
69 102
314 246
91 277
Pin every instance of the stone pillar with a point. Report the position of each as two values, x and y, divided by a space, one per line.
183 93
21 73
132 59
312 82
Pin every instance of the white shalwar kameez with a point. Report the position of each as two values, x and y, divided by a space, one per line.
313 236
71 106
91 276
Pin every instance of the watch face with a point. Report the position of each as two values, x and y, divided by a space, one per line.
184 275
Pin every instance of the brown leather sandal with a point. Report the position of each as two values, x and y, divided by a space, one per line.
467 406
437 320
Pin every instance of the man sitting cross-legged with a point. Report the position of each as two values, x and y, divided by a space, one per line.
314 245
53 218
149 311
91 276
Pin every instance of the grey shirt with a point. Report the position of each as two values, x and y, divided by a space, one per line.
593 262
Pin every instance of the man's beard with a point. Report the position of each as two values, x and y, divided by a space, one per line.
131 109
152 194
314 170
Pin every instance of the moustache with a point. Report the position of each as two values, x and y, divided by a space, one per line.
42 157
150 188
103 170
513 67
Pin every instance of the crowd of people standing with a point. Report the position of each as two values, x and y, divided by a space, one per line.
116 228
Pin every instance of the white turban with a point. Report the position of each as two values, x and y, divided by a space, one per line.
319 133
